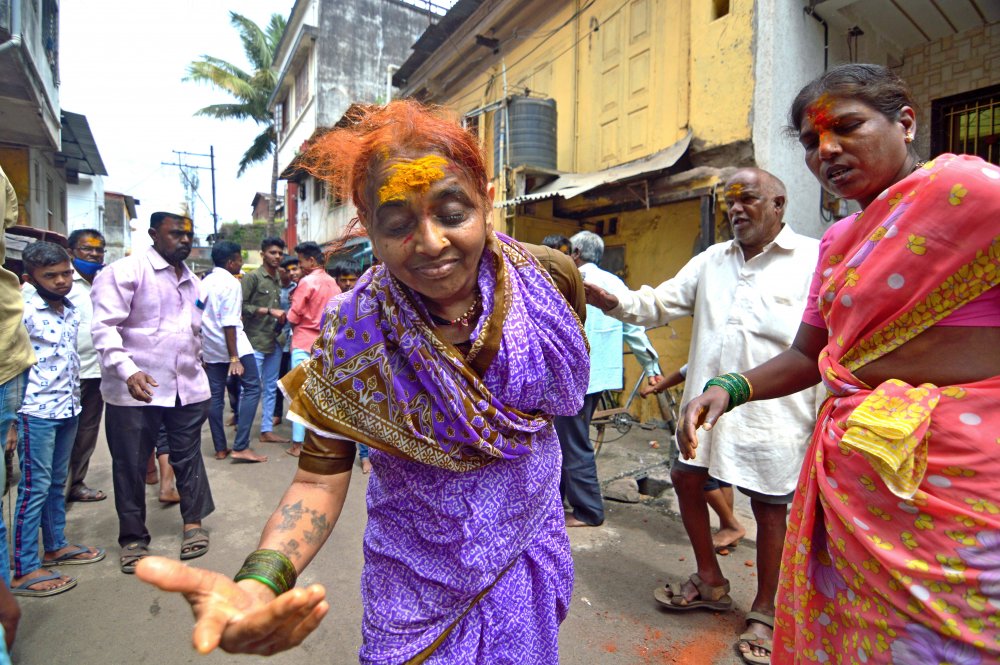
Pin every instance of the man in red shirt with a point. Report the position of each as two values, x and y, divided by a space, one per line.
306 313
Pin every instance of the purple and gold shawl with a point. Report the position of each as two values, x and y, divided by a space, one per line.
381 375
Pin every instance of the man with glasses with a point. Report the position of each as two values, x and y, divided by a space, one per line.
86 247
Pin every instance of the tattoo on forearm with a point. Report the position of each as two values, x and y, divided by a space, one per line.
292 518
321 528
291 549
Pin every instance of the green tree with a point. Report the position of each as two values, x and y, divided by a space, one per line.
250 90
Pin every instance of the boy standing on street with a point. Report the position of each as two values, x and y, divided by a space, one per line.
47 427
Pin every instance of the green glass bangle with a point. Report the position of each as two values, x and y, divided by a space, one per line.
269 567
735 385
260 578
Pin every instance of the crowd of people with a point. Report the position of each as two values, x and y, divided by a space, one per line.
846 386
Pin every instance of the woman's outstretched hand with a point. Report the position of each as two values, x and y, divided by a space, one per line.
243 617
703 411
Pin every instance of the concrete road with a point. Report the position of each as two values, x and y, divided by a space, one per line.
111 618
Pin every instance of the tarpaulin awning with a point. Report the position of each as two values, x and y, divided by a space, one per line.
568 185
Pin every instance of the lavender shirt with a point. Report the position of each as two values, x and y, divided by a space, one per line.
145 319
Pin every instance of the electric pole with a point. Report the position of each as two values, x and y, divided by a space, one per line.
193 182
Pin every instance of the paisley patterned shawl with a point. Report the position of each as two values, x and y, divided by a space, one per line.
381 375
893 545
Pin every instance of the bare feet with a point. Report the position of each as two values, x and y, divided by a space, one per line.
169 494
271 437
295 450
231 422
247 455
366 465
222 454
571 521
725 539
276 420
151 476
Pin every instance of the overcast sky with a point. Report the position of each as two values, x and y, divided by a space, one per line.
122 63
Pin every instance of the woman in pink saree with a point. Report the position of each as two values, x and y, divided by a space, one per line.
893 550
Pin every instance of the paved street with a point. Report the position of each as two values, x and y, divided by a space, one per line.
111 618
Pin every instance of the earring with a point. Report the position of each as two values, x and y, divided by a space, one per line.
909 137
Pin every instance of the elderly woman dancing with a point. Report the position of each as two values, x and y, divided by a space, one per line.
449 360
893 549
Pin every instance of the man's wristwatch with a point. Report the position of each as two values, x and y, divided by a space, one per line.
234 359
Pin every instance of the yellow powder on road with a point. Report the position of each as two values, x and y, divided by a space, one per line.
409 176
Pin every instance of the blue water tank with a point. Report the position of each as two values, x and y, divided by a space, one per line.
532 133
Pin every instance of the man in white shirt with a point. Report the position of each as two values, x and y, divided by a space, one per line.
227 352
747 297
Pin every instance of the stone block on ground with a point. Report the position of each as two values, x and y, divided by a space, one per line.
623 489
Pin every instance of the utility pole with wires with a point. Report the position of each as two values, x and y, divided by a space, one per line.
189 177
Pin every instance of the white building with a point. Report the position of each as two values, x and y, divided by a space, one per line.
333 54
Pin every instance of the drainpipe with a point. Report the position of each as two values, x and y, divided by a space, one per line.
826 34
388 81
15 27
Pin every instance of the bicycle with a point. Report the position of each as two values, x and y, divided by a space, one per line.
608 413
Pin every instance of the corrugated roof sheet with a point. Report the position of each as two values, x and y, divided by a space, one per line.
568 185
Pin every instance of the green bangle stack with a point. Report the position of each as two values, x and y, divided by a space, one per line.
739 389
269 567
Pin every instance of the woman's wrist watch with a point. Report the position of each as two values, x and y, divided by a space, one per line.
234 359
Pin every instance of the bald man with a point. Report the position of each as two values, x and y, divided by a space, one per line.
747 297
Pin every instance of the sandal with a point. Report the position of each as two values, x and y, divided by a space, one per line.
130 555
195 543
753 640
709 597
24 588
73 558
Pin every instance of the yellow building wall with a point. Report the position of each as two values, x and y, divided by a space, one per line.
658 243
721 76
632 87
16 164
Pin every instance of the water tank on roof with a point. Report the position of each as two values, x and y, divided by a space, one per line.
530 133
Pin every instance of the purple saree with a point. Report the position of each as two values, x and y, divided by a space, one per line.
466 554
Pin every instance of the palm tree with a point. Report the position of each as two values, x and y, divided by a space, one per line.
251 90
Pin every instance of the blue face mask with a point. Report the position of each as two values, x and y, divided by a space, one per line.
87 268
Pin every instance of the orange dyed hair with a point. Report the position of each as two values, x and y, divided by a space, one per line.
349 158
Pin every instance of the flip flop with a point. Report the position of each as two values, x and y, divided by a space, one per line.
752 639
24 588
195 543
86 495
130 556
69 558
715 598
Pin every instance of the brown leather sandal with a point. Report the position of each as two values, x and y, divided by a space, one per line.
709 597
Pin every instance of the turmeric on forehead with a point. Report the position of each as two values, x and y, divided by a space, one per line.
734 190
416 175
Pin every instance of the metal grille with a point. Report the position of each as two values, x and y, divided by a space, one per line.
971 124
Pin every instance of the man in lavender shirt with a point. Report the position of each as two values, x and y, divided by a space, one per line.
146 328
